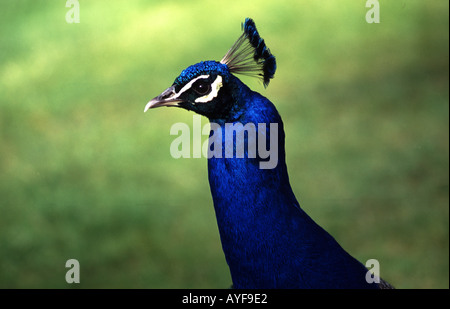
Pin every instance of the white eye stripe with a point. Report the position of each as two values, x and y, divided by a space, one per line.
215 86
189 85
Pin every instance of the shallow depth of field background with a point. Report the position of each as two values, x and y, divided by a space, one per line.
85 174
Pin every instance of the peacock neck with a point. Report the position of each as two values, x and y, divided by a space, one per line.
248 198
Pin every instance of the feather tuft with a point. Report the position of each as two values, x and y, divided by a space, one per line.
250 56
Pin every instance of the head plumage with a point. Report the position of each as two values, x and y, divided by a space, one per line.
249 55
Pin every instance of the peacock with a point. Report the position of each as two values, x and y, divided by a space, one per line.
267 238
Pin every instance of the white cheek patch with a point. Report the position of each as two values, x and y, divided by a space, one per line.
215 86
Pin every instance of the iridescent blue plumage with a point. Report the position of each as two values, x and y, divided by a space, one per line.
268 240
201 68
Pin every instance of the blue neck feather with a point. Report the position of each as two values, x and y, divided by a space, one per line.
268 240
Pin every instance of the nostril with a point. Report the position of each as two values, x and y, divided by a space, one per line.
167 94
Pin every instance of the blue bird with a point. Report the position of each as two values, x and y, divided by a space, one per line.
268 239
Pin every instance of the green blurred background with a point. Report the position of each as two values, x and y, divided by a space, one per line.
85 174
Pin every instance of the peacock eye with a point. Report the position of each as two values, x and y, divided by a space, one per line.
202 87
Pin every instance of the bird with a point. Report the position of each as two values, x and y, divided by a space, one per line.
268 240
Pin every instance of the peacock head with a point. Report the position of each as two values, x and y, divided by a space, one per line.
208 87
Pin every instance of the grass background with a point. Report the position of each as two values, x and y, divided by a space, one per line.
85 174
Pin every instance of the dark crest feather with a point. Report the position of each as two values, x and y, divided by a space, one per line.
250 56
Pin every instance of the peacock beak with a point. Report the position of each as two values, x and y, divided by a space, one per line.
167 98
